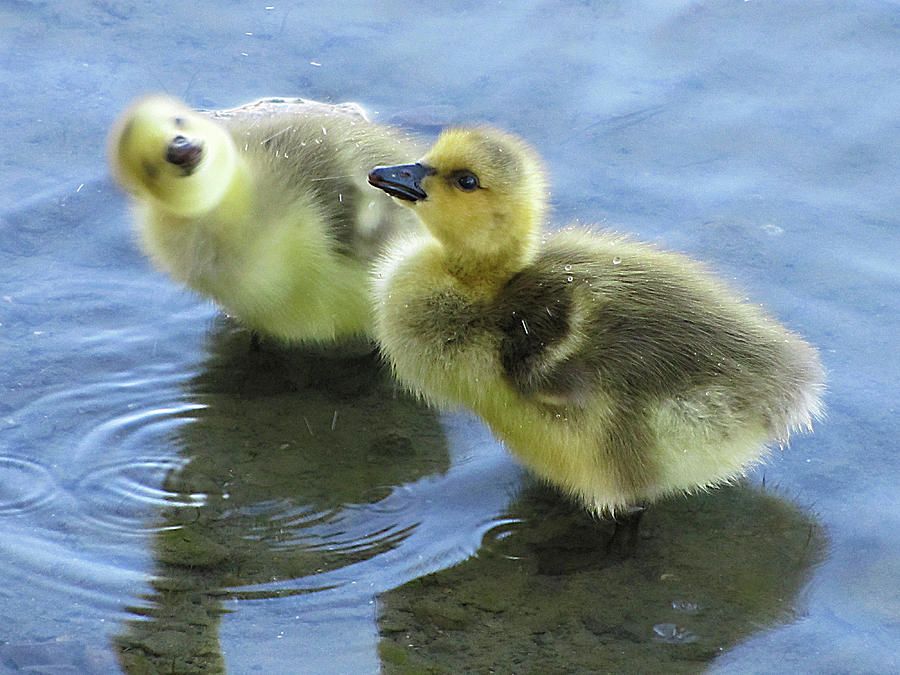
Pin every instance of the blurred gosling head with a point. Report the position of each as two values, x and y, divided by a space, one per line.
480 192
179 158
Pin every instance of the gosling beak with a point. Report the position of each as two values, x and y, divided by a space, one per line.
402 182
185 154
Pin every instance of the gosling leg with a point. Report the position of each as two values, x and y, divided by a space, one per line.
624 538
255 342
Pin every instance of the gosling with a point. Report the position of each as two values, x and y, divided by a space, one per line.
616 371
263 208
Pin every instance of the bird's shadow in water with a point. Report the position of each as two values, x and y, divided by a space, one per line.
282 460
546 592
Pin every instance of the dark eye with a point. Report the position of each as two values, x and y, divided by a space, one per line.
179 122
467 182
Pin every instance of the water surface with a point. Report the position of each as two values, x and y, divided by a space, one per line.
169 495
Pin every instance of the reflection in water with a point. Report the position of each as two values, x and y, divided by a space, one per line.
290 471
545 589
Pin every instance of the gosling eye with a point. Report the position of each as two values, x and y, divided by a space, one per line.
466 181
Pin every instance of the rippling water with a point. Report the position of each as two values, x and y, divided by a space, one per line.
170 496
161 467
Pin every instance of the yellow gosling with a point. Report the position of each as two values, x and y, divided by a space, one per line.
263 208
616 371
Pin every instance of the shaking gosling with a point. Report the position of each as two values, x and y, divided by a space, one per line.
616 371
263 208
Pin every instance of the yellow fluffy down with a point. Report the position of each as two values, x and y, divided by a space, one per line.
616 371
263 208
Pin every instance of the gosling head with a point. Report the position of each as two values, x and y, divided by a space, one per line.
480 192
182 160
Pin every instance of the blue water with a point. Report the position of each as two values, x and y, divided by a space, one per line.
760 136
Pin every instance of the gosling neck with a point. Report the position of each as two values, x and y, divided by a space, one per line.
484 272
237 199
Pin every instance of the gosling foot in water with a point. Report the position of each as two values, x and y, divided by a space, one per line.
626 531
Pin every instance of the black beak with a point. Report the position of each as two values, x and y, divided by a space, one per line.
402 182
184 153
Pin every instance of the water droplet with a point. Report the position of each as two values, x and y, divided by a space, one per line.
672 634
617 260
569 278
685 606
568 268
